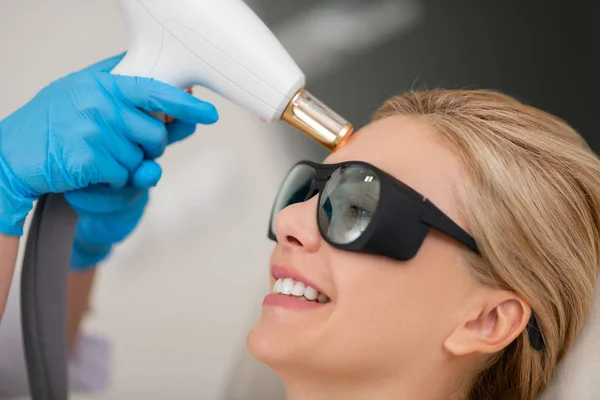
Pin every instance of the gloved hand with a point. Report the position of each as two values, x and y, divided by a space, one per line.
107 215
85 129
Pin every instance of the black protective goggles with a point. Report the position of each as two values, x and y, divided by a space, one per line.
364 209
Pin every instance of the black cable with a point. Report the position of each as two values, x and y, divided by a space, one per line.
44 291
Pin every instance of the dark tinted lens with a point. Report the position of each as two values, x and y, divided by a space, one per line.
294 189
348 203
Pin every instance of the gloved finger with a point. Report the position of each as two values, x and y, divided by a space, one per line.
147 175
154 96
113 174
106 65
94 236
111 228
85 256
102 199
146 131
129 154
87 167
179 130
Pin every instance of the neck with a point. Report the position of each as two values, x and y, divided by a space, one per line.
430 387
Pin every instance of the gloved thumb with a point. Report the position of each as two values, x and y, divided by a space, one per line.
147 175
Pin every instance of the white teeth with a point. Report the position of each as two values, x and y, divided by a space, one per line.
287 286
277 286
310 293
298 289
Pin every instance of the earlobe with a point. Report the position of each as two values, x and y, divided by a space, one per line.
492 330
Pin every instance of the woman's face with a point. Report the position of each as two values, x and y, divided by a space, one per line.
384 316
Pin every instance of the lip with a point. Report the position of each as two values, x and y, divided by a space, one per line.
283 272
292 302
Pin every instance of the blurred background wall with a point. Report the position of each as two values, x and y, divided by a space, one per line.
177 299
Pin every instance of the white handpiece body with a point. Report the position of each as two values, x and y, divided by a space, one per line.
219 44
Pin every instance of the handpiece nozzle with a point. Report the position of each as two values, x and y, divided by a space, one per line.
317 121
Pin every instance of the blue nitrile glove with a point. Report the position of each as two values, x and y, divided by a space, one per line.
84 129
107 215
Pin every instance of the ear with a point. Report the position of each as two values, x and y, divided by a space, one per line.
496 324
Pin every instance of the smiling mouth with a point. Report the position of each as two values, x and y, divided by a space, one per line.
300 290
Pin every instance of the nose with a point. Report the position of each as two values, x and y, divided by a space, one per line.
296 226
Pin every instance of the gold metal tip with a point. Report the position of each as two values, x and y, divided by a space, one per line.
317 121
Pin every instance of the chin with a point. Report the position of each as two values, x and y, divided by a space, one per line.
271 345
283 347
297 350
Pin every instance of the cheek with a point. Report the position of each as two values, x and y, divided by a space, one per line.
399 303
379 314
382 298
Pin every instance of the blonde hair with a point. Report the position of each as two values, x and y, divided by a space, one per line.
532 202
